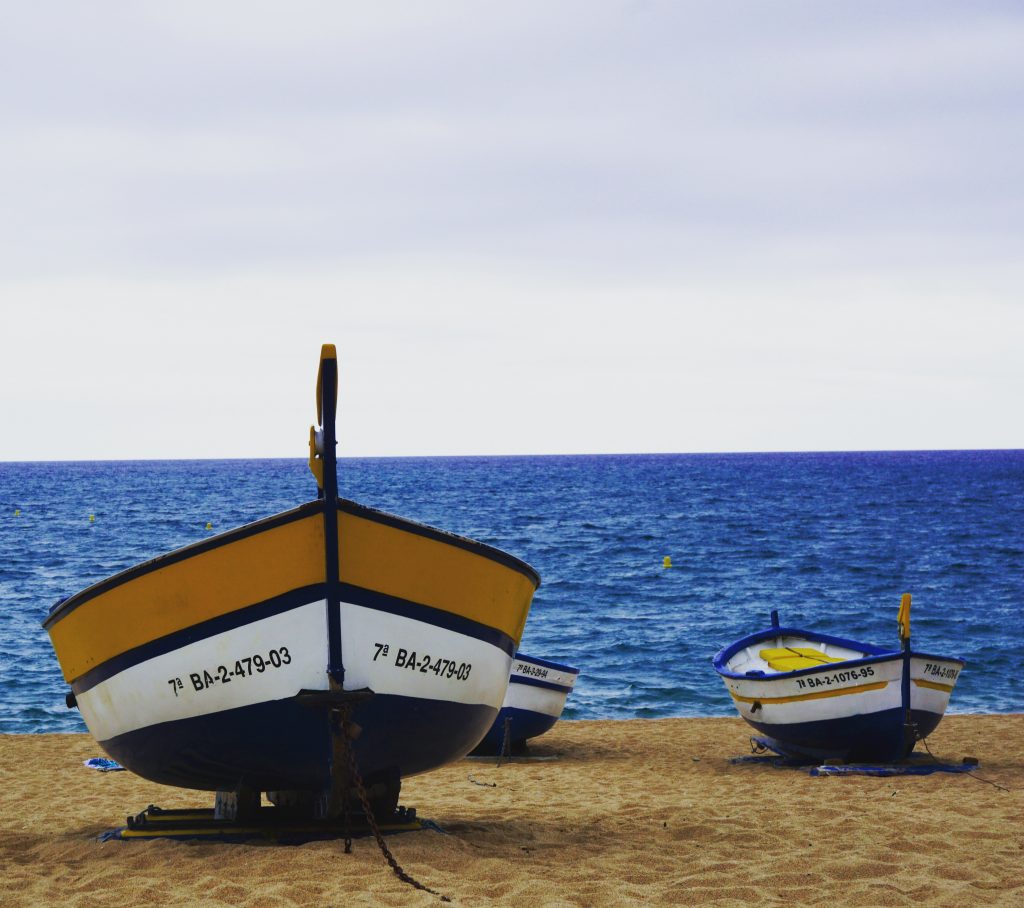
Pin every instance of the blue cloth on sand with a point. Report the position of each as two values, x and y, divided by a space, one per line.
103 764
919 769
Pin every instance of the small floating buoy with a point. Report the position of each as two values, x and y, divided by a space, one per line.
666 562
92 518
17 512
209 525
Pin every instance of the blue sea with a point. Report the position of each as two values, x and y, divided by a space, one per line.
830 540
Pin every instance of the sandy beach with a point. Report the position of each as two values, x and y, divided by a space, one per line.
621 813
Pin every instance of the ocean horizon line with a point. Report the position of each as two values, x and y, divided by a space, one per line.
521 456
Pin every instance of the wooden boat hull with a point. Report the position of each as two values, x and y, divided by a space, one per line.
196 669
533 703
853 709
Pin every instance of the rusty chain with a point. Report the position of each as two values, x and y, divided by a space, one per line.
356 780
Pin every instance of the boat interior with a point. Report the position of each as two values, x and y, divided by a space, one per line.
789 653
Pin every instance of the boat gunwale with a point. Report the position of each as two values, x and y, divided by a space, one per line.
876 654
63 607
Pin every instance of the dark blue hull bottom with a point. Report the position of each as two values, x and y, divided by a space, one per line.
523 724
286 745
877 736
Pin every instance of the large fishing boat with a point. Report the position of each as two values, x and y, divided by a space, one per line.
265 658
815 696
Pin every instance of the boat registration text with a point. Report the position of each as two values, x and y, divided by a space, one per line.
835 678
443 668
532 671
941 671
243 668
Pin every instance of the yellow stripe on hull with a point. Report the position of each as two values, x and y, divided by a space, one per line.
934 685
253 565
432 572
816 695
205 585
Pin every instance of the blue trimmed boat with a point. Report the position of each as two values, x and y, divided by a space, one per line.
536 695
815 696
265 658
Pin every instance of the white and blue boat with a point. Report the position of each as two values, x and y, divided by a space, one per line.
262 659
536 695
815 696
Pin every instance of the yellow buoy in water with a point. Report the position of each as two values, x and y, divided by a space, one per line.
92 518
666 562
17 512
209 525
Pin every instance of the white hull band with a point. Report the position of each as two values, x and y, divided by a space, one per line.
274 658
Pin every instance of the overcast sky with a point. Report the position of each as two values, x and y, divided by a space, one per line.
528 227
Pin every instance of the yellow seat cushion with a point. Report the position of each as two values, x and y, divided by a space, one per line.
792 658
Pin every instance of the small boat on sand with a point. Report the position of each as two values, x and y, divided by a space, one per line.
323 649
815 696
537 691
